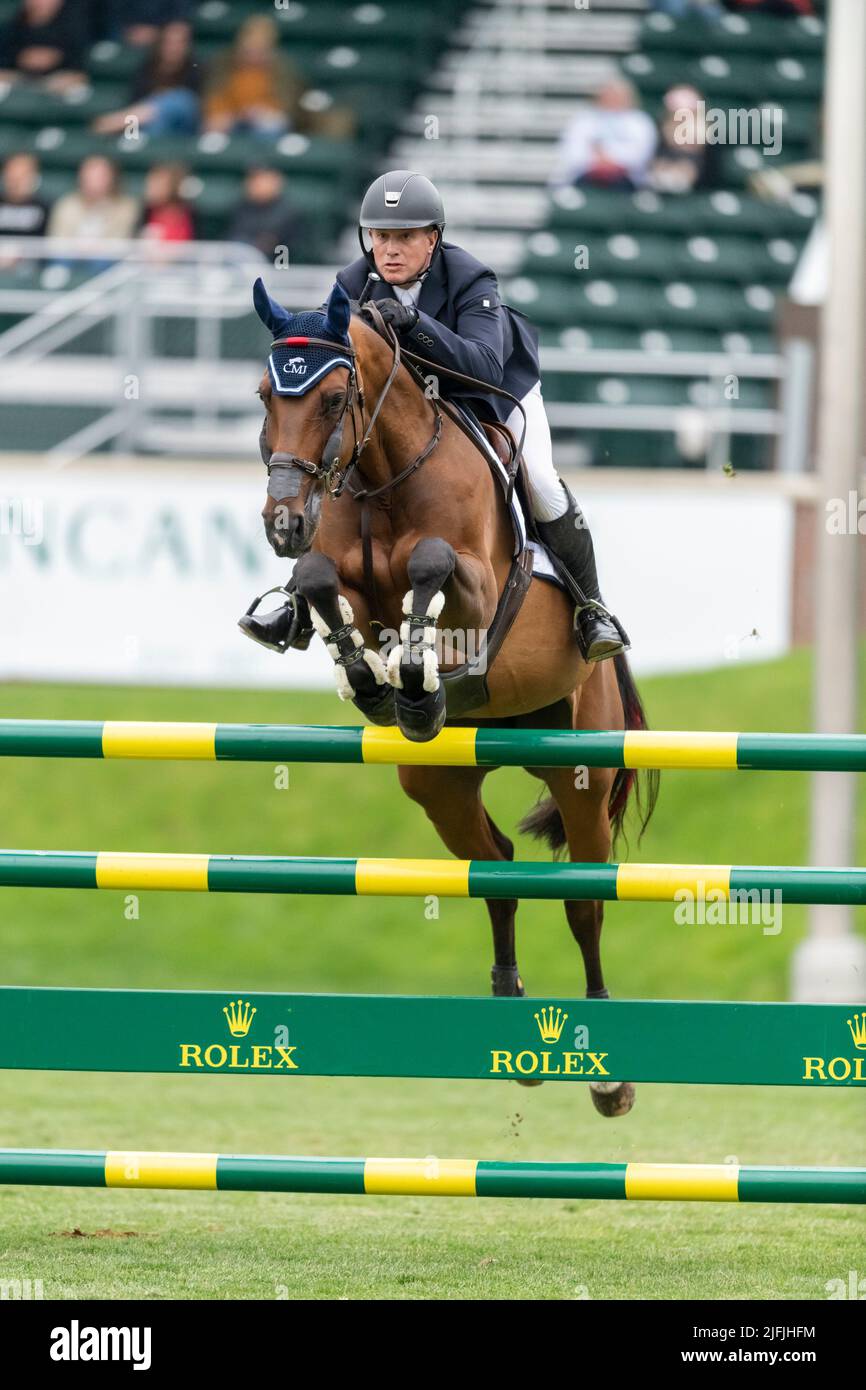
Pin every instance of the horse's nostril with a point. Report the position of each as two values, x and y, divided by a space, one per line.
286 531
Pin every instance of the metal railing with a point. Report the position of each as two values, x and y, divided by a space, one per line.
143 397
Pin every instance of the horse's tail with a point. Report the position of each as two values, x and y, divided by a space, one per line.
544 820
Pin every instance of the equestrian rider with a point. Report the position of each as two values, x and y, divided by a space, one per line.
445 305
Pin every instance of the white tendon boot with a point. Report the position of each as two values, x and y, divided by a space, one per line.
345 635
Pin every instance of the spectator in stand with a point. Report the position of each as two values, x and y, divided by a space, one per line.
45 41
139 22
608 144
97 210
253 89
265 218
683 160
167 216
164 97
22 213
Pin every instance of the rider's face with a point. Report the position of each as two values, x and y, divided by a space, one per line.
402 255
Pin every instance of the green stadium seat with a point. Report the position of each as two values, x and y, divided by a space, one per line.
113 62
633 449
615 211
25 105
732 34
359 24
729 212
597 253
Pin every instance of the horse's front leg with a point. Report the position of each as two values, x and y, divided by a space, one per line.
360 672
413 663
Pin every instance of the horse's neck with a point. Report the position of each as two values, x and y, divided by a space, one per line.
404 429
404 426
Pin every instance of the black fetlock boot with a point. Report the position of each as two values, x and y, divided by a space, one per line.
290 625
599 634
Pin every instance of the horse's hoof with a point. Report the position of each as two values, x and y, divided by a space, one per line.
378 709
506 982
612 1098
422 719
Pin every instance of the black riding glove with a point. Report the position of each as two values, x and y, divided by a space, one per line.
401 317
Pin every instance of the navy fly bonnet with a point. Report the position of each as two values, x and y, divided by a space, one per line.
295 364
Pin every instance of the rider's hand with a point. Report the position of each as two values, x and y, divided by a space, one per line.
401 317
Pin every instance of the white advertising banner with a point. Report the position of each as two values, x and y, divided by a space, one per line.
139 576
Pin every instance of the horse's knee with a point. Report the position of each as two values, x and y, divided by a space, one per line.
430 565
317 580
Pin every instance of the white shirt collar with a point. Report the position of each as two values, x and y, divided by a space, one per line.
408 294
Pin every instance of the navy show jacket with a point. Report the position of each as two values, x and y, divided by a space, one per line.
462 323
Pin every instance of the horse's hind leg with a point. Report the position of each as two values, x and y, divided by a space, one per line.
451 797
584 810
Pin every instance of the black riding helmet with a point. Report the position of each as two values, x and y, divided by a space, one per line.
400 198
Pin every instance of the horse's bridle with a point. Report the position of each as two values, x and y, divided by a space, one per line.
284 469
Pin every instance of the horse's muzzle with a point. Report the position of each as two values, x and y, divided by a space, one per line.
289 534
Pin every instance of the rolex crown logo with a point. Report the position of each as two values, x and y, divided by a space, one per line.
857 1024
240 1016
550 1024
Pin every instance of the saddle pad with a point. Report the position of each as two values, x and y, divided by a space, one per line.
542 565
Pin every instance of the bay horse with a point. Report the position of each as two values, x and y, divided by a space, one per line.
407 528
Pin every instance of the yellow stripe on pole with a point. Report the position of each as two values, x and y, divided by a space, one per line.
682 1182
454 747
129 739
412 877
643 748
659 882
421 1177
131 1169
181 871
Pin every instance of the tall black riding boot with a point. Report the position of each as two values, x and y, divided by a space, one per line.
599 633
287 626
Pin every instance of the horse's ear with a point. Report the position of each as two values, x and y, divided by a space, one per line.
272 314
338 311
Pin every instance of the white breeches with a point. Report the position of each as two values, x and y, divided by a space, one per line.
548 498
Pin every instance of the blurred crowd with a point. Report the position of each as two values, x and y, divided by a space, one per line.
250 89
99 209
613 143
